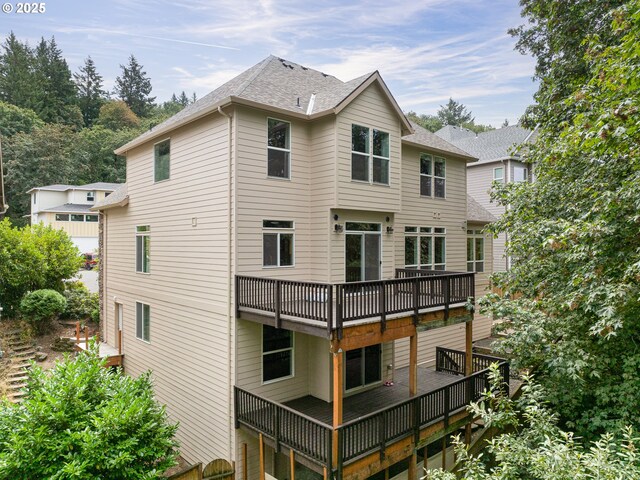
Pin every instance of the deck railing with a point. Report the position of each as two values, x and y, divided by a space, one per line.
285 426
455 362
369 433
336 305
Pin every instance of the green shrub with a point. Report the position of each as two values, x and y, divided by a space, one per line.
42 306
81 303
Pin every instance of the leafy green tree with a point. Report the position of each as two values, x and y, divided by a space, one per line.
537 449
91 95
573 233
17 85
94 147
81 303
477 127
116 115
56 92
33 258
133 87
81 420
41 307
454 113
16 120
429 122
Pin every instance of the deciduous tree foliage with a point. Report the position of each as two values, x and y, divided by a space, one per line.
17 120
81 420
573 233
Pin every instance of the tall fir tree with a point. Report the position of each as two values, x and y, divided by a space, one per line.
183 99
57 95
17 85
134 87
454 113
91 95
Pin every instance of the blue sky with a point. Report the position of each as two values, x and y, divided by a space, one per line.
426 50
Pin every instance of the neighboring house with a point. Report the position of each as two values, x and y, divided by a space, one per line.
67 207
282 249
498 161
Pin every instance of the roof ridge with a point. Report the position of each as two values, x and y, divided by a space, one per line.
244 85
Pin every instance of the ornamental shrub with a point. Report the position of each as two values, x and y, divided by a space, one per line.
41 307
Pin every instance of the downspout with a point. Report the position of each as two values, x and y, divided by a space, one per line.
230 282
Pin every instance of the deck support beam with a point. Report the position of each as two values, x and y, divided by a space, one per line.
338 369
261 447
468 331
413 364
413 467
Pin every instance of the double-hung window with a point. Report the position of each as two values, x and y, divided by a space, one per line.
425 248
475 251
432 176
498 174
369 155
143 321
161 160
277 353
278 148
143 248
277 243
91 196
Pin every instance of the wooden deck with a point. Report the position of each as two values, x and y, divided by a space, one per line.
105 351
360 404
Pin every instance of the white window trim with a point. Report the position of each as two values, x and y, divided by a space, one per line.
433 190
432 177
263 353
526 174
142 234
148 342
501 179
154 160
433 235
279 149
370 156
477 234
92 195
279 231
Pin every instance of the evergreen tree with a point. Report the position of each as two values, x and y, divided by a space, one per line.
454 113
183 99
134 87
91 95
17 85
57 92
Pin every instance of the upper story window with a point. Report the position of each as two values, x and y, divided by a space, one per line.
278 148
143 321
364 166
143 248
91 196
77 218
475 251
424 247
161 160
498 174
35 197
277 243
277 353
432 176
520 174
91 218
62 217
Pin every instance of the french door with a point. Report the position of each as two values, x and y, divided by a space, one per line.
363 366
362 252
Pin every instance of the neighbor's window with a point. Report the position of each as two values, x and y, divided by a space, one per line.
380 157
35 197
277 243
91 196
62 217
277 353
143 321
498 174
91 218
143 246
432 176
279 148
424 248
77 218
519 174
161 161
359 153
475 251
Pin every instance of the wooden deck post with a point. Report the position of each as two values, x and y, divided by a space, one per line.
245 474
338 382
413 364
413 467
77 333
444 453
292 465
468 332
261 440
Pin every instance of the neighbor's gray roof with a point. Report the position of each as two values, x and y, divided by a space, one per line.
477 213
492 145
118 198
424 137
451 133
88 187
69 208
275 83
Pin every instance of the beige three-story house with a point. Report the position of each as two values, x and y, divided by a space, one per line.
283 257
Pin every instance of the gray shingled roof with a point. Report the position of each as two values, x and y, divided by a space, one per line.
477 213
274 82
89 187
69 208
116 198
492 145
451 133
424 137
